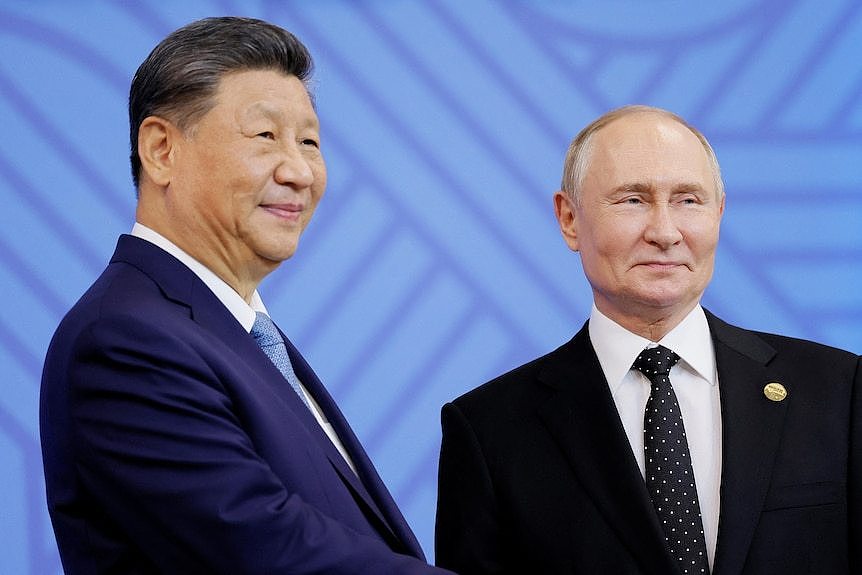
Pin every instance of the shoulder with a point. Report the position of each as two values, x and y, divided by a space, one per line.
508 385
127 307
518 391
776 350
121 293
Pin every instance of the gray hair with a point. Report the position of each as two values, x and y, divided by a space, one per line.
580 150
179 78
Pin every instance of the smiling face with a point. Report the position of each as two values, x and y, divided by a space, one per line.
647 222
242 184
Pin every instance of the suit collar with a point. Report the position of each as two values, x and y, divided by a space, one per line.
238 307
583 420
172 276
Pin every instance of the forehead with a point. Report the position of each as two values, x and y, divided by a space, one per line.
270 93
649 148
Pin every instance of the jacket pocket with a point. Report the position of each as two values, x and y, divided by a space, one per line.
805 495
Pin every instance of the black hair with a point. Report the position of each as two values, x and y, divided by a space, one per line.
178 79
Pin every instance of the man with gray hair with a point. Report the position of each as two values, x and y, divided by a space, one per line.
181 431
660 439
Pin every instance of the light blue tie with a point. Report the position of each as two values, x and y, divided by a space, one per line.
270 341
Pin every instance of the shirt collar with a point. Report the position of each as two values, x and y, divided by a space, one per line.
236 305
617 347
692 342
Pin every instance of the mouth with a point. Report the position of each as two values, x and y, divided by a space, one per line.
286 211
661 266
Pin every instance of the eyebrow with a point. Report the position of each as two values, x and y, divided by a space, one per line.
264 109
645 188
272 113
634 187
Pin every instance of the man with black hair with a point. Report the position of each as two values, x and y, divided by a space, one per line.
181 431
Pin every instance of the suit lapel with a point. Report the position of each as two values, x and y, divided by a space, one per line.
212 317
180 285
367 485
583 420
751 431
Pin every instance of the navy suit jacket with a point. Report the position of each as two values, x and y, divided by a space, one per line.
172 444
537 474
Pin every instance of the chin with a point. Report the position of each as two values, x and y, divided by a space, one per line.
284 254
279 248
671 306
659 299
276 256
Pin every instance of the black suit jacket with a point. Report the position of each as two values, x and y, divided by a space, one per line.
537 475
172 444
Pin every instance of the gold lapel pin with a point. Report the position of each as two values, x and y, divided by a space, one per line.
774 391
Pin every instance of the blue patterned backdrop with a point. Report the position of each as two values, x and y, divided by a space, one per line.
434 262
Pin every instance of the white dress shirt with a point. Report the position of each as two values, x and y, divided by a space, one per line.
695 381
244 313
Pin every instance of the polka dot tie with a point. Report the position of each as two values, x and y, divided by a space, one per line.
267 336
669 475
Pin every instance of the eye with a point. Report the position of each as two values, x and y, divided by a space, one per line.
311 142
689 200
268 135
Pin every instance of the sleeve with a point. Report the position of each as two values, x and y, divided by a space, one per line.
470 538
163 453
854 494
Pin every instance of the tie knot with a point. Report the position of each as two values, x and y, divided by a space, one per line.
264 331
655 361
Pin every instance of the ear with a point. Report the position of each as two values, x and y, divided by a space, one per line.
565 212
157 141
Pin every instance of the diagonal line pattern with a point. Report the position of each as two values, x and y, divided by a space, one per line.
753 88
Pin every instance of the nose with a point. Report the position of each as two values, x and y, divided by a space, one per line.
294 169
662 228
